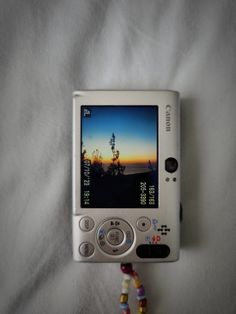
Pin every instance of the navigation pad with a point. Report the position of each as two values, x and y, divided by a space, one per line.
115 236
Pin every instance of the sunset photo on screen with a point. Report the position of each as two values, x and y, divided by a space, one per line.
119 146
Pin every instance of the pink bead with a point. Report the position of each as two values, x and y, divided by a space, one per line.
126 268
127 277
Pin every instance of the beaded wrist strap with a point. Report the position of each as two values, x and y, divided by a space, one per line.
130 274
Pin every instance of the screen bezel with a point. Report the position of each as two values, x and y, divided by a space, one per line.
82 106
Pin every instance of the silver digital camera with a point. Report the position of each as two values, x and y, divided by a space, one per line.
126 176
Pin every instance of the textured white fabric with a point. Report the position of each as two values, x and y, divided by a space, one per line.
48 50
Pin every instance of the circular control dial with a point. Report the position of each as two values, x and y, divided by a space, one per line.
115 236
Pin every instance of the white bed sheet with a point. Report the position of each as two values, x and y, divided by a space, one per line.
50 48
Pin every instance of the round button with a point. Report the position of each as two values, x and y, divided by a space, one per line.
86 249
115 236
143 224
86 223
171 164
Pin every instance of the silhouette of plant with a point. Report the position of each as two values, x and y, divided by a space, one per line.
96 165
83 153
115 168
150 165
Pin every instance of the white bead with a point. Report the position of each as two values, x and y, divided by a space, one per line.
125 290
127 277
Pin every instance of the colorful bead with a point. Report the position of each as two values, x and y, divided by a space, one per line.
124 290
125 284
124 306
126 268
140 291
129 274
141 297
137 283
126 280
127 277
142 310
123 298
142 303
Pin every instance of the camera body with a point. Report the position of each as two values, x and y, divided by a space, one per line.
126 176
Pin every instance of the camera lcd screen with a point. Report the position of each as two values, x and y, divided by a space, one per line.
119 156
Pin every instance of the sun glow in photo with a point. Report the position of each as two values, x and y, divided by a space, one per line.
134 130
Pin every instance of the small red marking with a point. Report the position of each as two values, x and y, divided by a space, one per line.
155 239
